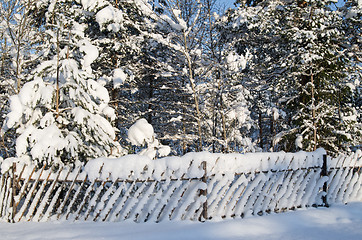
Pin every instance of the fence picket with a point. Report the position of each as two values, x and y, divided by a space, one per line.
142 204
39 215
258 206
152 205
175 209
24 187
270 196
122 201
75 197
112 201
93 201
19 215
37 198
156 215
232 198
102 203
312 181
2 192
5 202
357 187
63 205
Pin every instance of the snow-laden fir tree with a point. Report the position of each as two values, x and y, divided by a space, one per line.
315 81
253 30
174 54
224 99
17 47
298 73
226 105
134 64
352 26
62 115
116 29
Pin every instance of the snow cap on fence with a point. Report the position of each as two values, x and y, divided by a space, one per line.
136 167
7 163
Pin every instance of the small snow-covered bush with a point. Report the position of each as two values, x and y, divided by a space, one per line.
141 133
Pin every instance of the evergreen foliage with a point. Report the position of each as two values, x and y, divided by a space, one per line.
266 76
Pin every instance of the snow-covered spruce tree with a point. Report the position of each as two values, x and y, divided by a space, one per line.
223 97
315 80
17 47
226 105
135 66
62 115
178 32
254 30
116 29
352 26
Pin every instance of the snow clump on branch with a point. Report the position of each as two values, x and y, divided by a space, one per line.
142 133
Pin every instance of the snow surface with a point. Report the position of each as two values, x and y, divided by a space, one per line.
335 223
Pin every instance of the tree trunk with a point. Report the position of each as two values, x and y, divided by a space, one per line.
313 114
193 87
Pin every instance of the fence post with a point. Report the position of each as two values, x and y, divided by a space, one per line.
324 172
204 193
13 193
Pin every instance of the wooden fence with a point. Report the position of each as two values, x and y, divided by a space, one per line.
204 190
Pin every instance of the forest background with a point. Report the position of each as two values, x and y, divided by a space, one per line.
272 75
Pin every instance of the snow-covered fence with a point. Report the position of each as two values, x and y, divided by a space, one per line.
197 186
345 178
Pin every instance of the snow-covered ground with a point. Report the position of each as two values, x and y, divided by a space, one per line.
337 222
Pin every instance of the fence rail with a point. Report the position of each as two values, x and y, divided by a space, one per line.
209 187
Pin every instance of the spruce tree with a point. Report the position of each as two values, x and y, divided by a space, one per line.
62 115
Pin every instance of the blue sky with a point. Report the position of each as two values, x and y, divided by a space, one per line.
228 3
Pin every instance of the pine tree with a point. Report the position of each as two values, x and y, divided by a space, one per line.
174 64
317 74
61 114
297 74
17 46
352 25
253 29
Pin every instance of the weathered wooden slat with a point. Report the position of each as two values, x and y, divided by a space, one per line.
167 193
3 190
85 200
142 204
36 199
75 197
24 187
230 200
55 198
121 203
174 207
357 188
32 191
111 203
155 199
5 198
39 215
104 200
93 201
63 205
